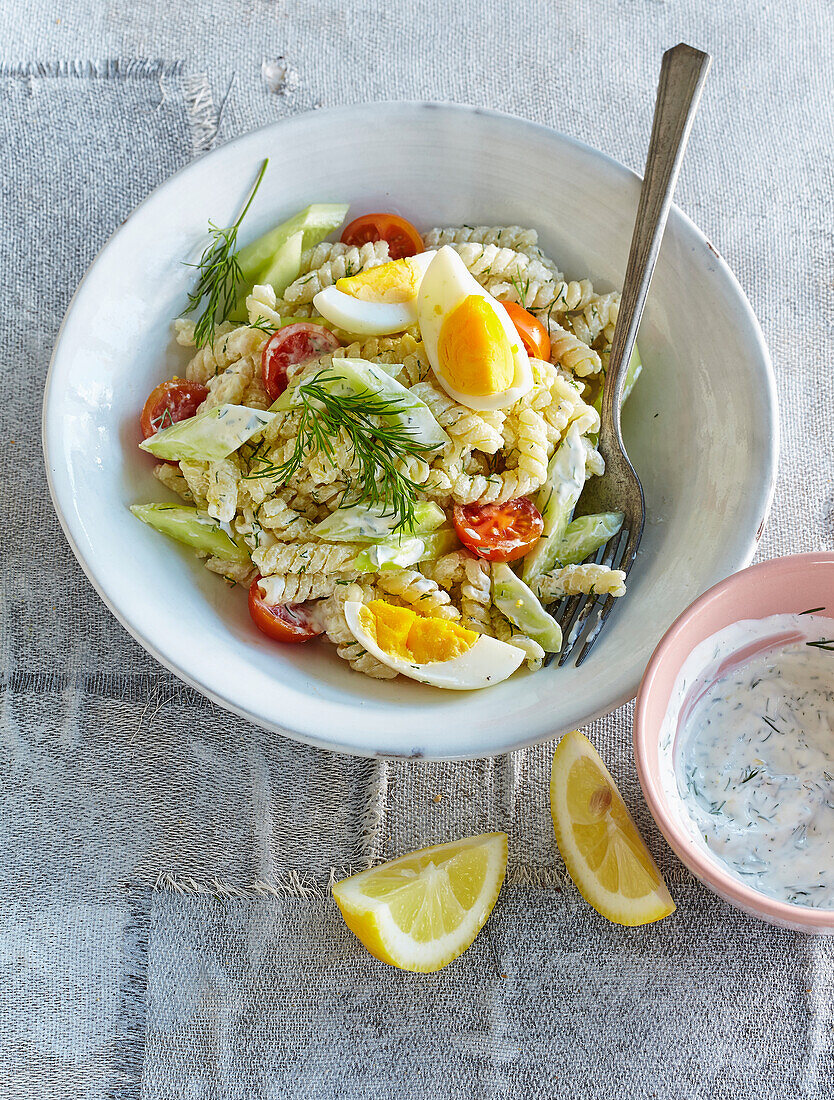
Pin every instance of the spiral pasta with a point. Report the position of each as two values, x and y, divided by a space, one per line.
476 595
171 477
573 580
419 592
261 306
222 479
569 351
348 262
337 630
226 348
306 557
479 430
299 587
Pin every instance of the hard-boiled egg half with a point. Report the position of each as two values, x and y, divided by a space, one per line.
433 651
377 301
470 341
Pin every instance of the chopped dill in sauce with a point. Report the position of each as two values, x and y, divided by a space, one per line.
755 768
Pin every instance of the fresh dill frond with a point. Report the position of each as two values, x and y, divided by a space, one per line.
521 289
263 325
378 446
219 274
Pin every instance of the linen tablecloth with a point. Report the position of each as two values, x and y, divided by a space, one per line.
165 929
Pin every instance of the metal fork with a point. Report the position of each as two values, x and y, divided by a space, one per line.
682 76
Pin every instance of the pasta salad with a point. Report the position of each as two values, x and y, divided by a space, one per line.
386 438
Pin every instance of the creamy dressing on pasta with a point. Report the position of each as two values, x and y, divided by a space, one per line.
754 754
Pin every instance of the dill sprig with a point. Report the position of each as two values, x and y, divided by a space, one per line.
823 643
263 325
219 274
377 445
521 289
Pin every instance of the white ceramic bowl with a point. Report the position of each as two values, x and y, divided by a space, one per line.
701 427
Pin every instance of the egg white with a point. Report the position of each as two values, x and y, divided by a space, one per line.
444 286
371 318
488 662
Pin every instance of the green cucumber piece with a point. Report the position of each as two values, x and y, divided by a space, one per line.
210 435
400 553
193 528
372 523
522 607
315 222
285 266
585 535
361 376
556 500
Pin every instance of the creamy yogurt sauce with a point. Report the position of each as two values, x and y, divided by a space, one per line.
751 729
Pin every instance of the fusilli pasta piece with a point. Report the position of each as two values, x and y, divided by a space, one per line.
306 557
235 572
171 477
298 587
260 305
505 631
504 236
479 430
226 348
572 580
228 387
476 595
419 592
338 631
348 262
284 522
196 475
222 480
568 351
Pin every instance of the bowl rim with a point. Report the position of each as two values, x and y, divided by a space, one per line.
705 868
758 347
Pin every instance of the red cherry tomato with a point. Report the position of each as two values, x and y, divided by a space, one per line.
169 402
403 239
534 335
290 345
281 622
499 532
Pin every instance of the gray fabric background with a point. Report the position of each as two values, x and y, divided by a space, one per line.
163 928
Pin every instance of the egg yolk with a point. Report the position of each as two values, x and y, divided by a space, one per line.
473 351
393 282
418 639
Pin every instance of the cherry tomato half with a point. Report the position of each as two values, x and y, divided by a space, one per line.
171 401
403 239
499 532
533 334
290 345
282 622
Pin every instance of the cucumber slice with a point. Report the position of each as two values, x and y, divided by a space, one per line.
412 413
585 535
285 265
315 222
371 523
556 500
209 435
516 602
400 553
360 376
193 528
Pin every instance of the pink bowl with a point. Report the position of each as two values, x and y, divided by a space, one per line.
781 586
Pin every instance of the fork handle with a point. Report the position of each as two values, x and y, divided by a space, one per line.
682 76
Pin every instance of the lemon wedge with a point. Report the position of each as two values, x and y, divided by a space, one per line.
421 911
602 849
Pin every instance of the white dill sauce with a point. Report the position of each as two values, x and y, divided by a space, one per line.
754 754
